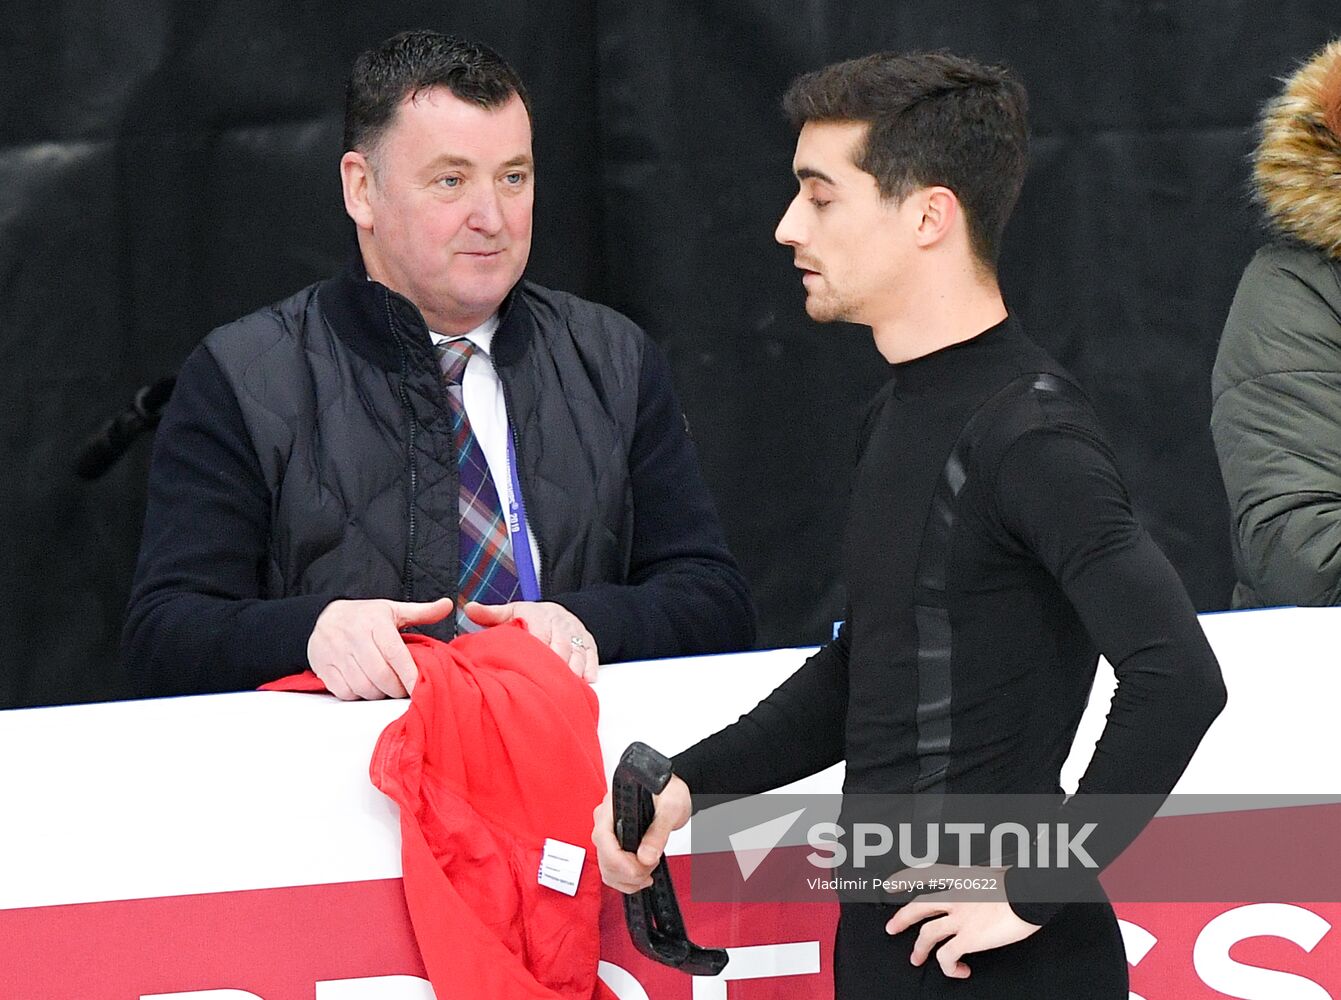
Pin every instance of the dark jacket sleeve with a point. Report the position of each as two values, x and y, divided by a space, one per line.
1276 420
198 620
684 594
1059 495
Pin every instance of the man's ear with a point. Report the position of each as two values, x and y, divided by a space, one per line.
356 178
940 212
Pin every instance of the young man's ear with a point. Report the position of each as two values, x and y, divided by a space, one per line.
356 178
940 211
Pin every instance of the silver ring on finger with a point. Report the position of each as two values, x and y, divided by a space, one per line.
577 641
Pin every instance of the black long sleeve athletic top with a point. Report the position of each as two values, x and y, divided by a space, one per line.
990 554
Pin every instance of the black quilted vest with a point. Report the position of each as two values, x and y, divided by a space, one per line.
340 390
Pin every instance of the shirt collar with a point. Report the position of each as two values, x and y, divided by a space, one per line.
482 336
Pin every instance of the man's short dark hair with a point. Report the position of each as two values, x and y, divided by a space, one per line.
414 61
935 119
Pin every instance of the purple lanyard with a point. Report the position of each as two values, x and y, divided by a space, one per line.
521 541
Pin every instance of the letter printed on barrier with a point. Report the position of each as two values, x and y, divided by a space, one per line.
764 961
620 981
376 988
1210 955
1137 942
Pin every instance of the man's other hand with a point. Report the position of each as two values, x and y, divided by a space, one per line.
552 624
628 872
957 925
357 650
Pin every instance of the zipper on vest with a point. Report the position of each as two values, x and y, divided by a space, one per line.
411 466
407 585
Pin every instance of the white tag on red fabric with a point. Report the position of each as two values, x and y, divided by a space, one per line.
561 866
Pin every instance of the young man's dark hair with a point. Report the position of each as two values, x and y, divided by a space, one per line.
935 119
415 61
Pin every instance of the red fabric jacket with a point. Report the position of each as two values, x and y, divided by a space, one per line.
497 752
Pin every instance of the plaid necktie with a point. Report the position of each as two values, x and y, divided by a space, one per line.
487 572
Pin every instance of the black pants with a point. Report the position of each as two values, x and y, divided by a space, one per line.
1077 955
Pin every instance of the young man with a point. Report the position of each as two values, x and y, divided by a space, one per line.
426 439
990 549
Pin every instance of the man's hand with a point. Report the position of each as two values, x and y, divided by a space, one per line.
552 624
630 872
961 926
357 651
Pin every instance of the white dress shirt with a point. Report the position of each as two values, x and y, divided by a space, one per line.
487 411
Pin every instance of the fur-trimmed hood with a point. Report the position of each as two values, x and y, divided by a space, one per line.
1297 166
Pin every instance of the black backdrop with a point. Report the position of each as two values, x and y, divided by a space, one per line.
166 166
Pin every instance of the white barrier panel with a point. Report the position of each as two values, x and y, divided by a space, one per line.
231 846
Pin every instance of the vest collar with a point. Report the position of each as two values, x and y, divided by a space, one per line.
366 315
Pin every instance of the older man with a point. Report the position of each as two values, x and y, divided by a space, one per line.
425 440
